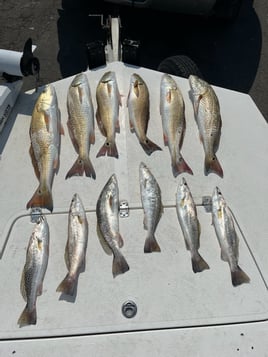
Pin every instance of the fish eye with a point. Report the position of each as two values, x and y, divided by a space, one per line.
107 144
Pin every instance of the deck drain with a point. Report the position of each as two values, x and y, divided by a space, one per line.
129 309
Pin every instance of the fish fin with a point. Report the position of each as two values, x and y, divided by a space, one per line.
117 126
89 169
27 317
80 167
120 265
145 223
34 163
151 245
66 257
83 265
73 139
199 232
149 146
136 89
47 120
120 96
61 129
165 139
224 256
198 263
80 94
109 88
92 138
40 289
196 104
168 96
212 165
22 286
186 244
127 101
41 198
56 163
131 126
179 166
103 242
100 123
119 240
108 148
239 277
67 286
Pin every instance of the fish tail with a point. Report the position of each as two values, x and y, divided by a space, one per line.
149 146
67 285
109 148
28 317
41 198
80 166
179 166
151 245
120 265
239 277
212 164
198 263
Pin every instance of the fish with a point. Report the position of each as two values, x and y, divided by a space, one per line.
76 246
107 113
172 111
150 193
34 270
138 104
107 212
208 117
81 125
45 131
223 223
190 225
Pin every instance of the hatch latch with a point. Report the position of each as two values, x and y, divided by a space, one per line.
207 203
36 212
123 209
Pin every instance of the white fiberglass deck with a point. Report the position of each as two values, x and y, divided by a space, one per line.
167 293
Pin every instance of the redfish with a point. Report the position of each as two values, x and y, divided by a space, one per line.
208 117
45 130
138 104
81 125
107 114
172 110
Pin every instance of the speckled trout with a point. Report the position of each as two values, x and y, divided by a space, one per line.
75 250
152 205
190 226
228 240
81 125
34 271
172 110
107 212
138 103
45 130
208 117
107 114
